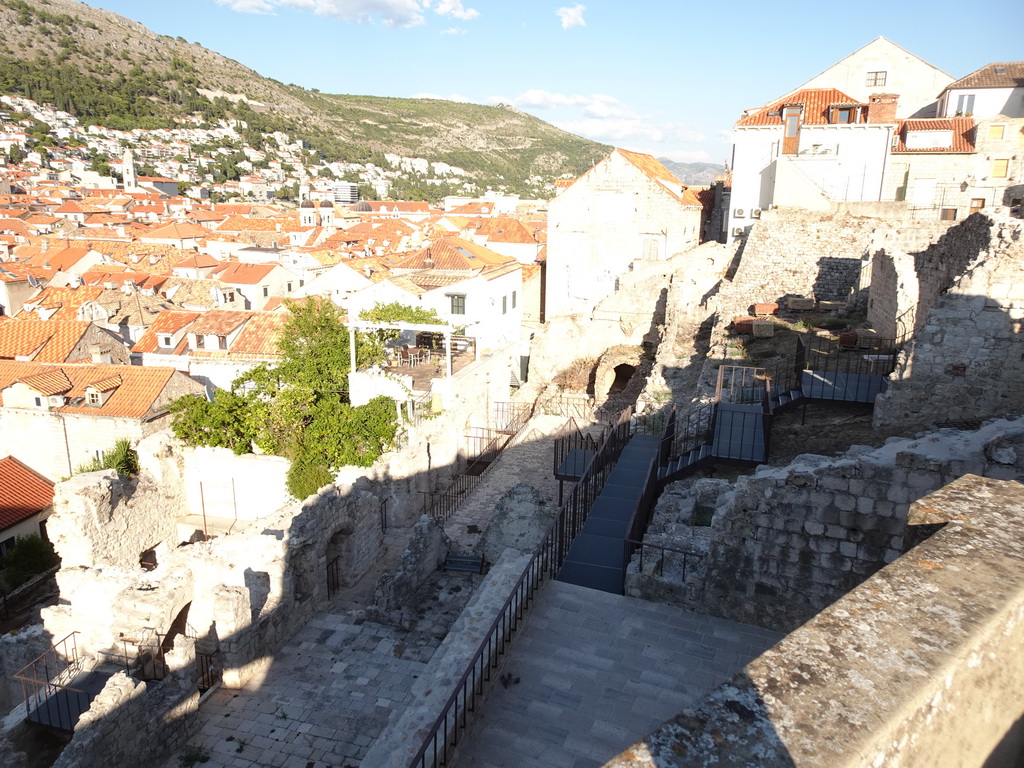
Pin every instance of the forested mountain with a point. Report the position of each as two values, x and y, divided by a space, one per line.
112 71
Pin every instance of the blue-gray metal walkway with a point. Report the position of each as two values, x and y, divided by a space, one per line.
597 557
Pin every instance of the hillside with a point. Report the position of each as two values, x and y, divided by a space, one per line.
693 173
107 69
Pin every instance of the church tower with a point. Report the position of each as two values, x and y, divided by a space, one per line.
131 181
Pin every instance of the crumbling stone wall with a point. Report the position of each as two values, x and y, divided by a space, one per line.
787 541
112 520
906 286
916 668
809 253
427 551
966 360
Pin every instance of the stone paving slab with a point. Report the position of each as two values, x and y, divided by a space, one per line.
598 671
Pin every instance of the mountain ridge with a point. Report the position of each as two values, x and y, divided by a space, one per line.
98 66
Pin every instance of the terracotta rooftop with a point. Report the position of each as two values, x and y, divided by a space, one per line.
23 492
236 273
452 253
42 341
1006 74
170 321
815 101
963 129
134 398
219 322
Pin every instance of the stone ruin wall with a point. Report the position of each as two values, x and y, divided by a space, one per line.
906 286
786 542
966 361
912 669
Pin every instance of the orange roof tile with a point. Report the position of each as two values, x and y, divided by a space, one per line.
134 398
236 273
65 300
963 129
49 341
816 103
23 492
170 321
219 322
453 253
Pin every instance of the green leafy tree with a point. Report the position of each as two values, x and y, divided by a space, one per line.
298 408
28 556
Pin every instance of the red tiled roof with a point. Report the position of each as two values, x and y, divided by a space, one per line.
237 273
1005 74
55 340
963 129
219 322
23 492
134 398
453 253
170 321
65 300
816 102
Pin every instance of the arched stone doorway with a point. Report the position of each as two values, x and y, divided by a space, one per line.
623 373
340 560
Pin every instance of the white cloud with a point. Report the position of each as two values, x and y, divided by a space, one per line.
631 127
597 105
248 6
394 13
572 17
453 31
455 9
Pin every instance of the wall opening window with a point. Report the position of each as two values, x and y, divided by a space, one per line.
947 214
995 132
843 115
458 303
165 341
200 341
791 130
977 203
39 402
965 104
1000 168
93 398
266 290
222 342
876 79
513 299
504 305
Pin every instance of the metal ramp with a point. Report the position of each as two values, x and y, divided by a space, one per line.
597 557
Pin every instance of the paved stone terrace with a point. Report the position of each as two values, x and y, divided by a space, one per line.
598 671
331 690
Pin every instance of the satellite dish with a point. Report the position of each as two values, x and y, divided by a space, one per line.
32 281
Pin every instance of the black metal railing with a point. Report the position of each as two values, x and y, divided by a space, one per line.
740 384
333 576
446 732
208 667
692 429
50 698
660 553
510 418
484 446
643 512
570 406
569 438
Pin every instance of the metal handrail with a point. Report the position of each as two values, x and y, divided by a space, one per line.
641 545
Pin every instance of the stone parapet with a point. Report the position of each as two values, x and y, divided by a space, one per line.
915 668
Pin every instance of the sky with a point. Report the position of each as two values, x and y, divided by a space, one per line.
666 78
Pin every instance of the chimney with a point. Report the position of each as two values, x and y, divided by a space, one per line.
101 354
882 107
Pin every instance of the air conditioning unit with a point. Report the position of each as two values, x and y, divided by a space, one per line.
740 213
737 231
755 213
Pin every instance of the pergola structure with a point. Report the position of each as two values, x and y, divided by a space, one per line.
365 325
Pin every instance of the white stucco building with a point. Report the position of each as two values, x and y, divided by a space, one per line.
625 208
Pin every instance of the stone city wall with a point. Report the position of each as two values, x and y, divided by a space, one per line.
915 668
787 541
965 361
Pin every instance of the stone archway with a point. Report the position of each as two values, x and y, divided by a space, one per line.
616 370
623 373
340 555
